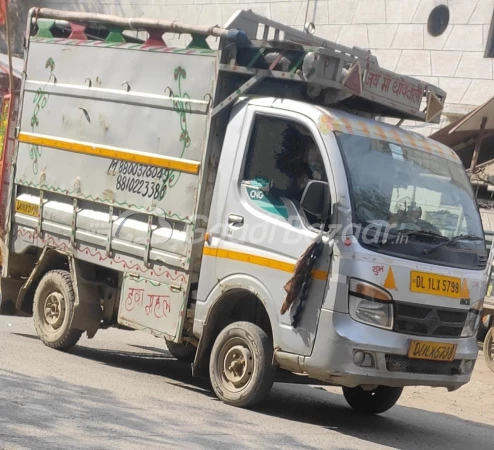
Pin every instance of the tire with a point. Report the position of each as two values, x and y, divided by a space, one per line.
251 350
376 401
483 329
489 349
183 352
53 310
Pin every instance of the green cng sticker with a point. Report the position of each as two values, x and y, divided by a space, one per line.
267 202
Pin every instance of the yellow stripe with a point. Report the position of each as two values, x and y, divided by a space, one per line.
111 152
260 261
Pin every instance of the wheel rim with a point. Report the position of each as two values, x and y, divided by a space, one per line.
236 365
54 311
490 348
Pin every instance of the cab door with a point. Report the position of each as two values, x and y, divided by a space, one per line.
264 230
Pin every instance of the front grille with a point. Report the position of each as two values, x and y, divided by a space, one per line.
428 320
400 363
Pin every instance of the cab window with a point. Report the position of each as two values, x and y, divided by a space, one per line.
284 156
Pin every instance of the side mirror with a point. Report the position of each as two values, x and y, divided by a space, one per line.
316 199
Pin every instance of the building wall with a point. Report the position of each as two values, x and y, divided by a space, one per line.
395 30
18 10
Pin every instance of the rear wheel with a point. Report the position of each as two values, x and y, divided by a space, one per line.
375 401
53 310
489 349
241 368
184 351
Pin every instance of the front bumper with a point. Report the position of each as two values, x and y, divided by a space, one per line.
339 337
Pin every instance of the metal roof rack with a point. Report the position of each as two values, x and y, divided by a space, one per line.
332 72
263 56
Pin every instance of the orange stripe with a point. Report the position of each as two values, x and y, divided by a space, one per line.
364 128
348 125
397 137
381 133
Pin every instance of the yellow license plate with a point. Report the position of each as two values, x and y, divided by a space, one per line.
432 351
430 283
27 208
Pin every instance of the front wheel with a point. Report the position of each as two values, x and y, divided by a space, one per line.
375 401
489 349
484 326
241 368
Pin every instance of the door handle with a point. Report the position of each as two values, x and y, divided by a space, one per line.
234 219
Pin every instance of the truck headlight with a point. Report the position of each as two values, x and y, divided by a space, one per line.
473 319
370 304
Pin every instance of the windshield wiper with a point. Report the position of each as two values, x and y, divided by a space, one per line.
460 237
421 232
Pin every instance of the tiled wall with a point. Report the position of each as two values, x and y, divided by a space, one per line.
395 30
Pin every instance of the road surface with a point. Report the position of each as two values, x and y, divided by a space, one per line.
122 390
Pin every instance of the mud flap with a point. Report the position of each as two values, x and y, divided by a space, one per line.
87 312
10 288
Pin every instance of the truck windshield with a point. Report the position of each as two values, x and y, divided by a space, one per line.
401 191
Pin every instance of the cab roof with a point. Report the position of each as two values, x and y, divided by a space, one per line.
330 120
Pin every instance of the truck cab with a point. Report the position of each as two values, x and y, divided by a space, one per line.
390 284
